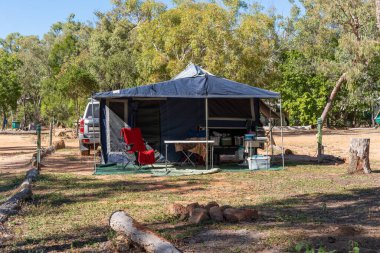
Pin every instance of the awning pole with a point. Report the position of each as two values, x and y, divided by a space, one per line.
206 109
282 137
93 130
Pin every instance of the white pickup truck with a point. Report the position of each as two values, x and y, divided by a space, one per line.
89 133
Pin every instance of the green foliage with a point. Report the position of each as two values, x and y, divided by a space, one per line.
216 41
10 89
304 90
143 41
76 83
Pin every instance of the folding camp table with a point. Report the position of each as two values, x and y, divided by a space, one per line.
187 156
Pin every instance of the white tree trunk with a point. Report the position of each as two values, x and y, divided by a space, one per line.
333 94
359 156
121 222
378 13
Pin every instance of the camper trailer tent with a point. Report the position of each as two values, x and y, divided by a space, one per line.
193 104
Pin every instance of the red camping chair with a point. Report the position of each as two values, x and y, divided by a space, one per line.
135 144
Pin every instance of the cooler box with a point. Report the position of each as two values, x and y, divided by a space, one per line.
378 119
15 124
258 162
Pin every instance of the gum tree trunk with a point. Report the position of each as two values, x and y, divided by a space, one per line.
333 94
378 13
359 156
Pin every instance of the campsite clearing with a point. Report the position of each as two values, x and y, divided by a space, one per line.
305 204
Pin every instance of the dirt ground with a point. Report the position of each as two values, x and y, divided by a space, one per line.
306 204
301 143
16 152
335 142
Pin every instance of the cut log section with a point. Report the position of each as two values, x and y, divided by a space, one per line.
359 156
121 222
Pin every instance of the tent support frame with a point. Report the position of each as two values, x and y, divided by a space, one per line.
207 134
282 137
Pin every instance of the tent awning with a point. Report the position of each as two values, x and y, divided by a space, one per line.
203 85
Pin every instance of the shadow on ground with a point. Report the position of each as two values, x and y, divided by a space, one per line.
94 189
77 239
299 160
332 221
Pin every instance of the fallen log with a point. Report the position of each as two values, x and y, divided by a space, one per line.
24 192
121 222
44 152
359 156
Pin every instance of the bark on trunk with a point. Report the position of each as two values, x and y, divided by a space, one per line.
339 83
378 13
121 222
24 192
359 156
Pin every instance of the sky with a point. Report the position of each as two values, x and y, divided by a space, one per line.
34 17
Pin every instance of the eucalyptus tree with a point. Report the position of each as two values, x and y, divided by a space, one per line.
112 43
10 88
339 39
33 54
226 42
378 13
343 36
70 83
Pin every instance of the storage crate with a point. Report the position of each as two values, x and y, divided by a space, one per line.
258 162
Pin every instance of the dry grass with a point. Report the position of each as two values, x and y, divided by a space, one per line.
71 211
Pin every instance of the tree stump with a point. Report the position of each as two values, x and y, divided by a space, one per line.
123 223
359 156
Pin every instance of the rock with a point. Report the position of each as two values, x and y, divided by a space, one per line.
61 134
225 207
211 204
331 239
183 216
347 230
236 215
199 215
216 214
178 210
191 207
59 144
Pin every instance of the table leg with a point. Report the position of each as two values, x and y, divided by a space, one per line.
212 156
166 157
187 158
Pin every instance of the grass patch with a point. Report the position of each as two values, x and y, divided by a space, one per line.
8 183
71 211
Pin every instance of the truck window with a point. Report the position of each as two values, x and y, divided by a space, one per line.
89 111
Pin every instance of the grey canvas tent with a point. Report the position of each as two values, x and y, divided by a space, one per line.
193 100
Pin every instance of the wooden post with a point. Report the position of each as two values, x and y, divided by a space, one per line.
38 145
319 140
359 156
123 223
51 134
271 141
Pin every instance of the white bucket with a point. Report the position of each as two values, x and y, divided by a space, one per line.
258 162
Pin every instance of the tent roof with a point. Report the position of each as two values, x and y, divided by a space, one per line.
193 82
